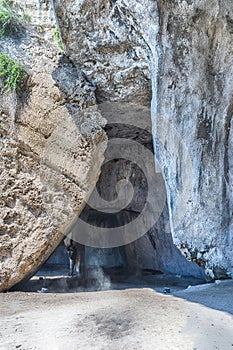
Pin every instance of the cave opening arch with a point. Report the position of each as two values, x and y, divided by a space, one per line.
153 247
143 246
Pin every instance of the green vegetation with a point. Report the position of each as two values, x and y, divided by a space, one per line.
57 38
12 74
27 17
9 22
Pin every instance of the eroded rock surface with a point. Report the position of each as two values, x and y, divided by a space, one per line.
185 49
50 156
193 126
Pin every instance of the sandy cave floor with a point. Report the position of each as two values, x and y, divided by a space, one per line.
124 317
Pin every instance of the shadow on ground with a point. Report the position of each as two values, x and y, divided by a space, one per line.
218 295
56 281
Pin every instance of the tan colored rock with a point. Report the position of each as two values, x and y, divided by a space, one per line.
50 160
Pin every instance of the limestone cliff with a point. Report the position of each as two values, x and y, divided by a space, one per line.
194 97
183 49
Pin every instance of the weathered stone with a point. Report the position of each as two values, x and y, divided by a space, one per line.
44 179
41 16
122 51
108 41
192 118
185 49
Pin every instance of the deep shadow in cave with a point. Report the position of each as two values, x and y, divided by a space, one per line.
146 259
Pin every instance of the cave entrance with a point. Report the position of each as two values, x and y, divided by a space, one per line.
147 247
122 194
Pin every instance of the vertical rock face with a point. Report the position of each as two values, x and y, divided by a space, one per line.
185 48
193 126
115 45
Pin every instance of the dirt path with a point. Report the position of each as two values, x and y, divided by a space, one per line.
111 320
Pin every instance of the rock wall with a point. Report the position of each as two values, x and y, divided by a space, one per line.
192 118
106 40
52 146
185 49
41 15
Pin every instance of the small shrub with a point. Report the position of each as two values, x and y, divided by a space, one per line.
12 74
9 22
58 39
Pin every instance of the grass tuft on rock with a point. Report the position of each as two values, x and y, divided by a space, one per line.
9 20
57 38
12 75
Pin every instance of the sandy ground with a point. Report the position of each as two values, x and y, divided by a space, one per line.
198 318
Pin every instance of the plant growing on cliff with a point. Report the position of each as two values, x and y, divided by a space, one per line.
57 38
27 17
9 22
12 74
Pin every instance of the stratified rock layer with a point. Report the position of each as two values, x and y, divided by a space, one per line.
50 156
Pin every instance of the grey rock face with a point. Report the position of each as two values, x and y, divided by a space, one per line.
183 49
106 40
192 118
